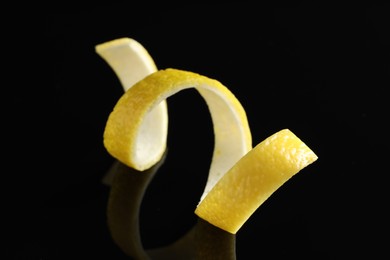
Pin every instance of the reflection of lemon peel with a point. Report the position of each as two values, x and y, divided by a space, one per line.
253 179
130 137
124 203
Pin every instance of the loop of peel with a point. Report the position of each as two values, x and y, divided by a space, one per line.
131 141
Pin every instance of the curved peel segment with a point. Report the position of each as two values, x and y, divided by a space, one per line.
253 179
131 62
130 136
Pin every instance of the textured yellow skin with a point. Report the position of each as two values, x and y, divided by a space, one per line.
240 178
132 141
131 62
253 179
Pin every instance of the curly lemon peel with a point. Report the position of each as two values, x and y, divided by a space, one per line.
240 178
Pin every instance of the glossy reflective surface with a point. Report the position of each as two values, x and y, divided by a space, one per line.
202 241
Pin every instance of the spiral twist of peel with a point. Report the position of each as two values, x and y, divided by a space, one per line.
241 177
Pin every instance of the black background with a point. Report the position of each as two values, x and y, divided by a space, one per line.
320 71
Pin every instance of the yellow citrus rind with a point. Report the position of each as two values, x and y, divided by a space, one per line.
240 178
253 179
130 136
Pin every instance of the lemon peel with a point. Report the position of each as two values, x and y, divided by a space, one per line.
240 178
253 179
